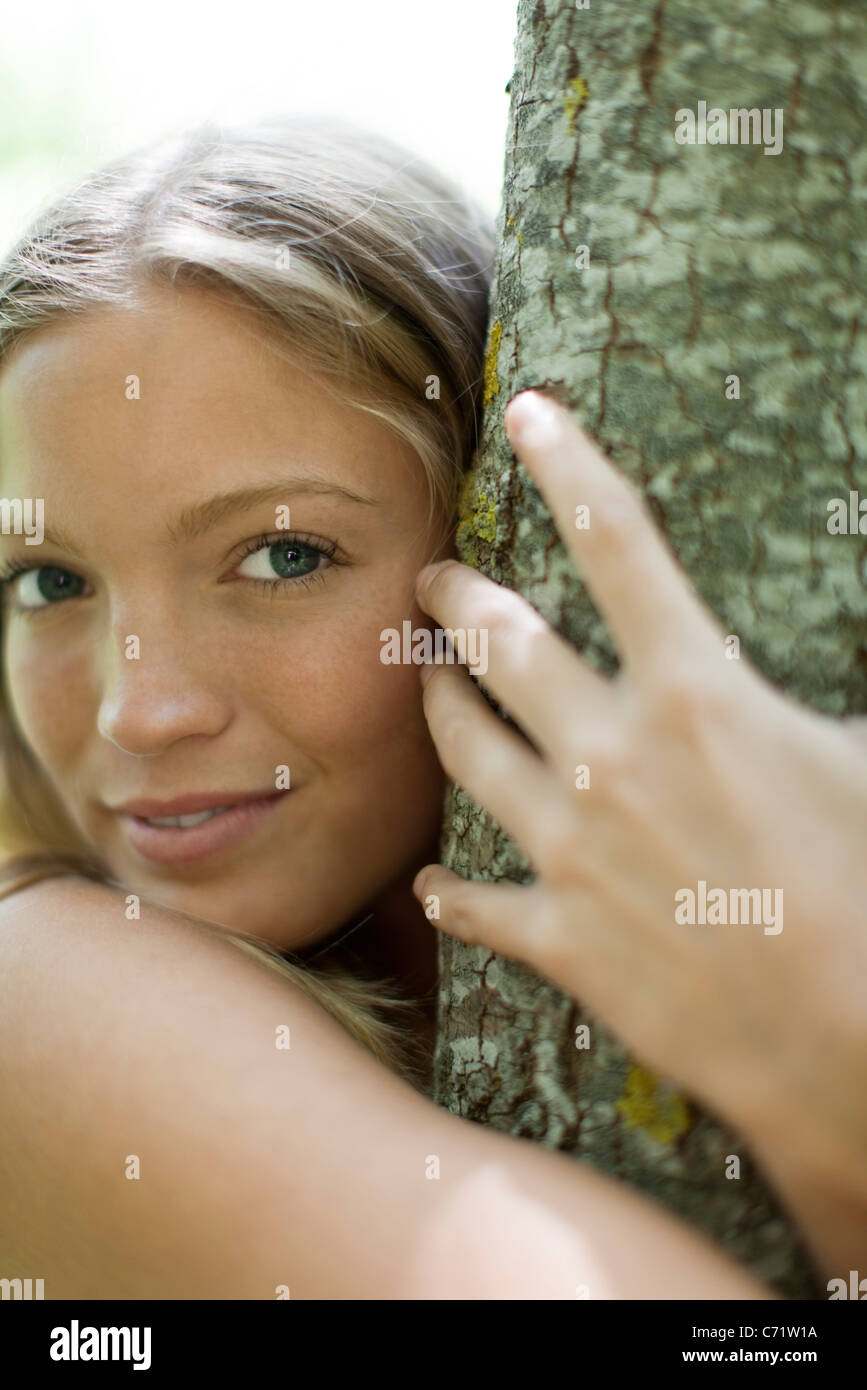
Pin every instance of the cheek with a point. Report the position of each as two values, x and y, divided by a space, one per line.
338 703
47 699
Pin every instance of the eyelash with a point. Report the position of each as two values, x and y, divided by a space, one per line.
13 568
326 548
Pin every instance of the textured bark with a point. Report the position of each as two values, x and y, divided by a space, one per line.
705 261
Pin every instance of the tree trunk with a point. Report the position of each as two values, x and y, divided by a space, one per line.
704 263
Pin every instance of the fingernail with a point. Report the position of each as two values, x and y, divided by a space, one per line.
527 410
425 671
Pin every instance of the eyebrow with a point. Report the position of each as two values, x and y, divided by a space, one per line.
193 521
198 518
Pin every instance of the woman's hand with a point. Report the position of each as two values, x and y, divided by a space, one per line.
655 803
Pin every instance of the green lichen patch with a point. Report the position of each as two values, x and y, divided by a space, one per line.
491 379
648 1105
576 95
477 521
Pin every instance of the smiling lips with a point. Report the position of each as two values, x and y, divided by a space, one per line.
194 827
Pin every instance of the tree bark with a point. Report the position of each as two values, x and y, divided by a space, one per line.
704 262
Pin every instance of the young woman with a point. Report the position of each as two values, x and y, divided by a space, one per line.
216 364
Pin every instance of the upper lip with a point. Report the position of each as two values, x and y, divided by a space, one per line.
188 805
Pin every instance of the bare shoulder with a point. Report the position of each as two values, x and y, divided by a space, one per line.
177 1117
158 1143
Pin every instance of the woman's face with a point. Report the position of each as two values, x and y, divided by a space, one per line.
224 544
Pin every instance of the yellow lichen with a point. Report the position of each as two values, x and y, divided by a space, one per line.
491 380
484 519
477 521
465 499
511 221
647 1104
574 99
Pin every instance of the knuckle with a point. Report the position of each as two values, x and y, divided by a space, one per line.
683 700
620 522
553 946
454 737
561 855
440 584
508 614
610 764
463 916
618 777
500 618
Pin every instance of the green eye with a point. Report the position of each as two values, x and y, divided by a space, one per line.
282 560
48 584
269 562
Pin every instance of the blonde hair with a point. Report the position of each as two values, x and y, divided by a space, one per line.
354 260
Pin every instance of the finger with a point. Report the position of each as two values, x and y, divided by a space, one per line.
575 949
509 918
534 673
856 726
634 579
494 765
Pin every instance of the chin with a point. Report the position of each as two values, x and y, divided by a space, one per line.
268 906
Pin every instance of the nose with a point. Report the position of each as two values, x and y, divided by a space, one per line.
160 685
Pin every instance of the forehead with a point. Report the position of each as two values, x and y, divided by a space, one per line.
183 374
176 342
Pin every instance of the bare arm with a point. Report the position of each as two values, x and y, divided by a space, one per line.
261 1167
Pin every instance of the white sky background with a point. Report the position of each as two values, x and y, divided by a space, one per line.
81 83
